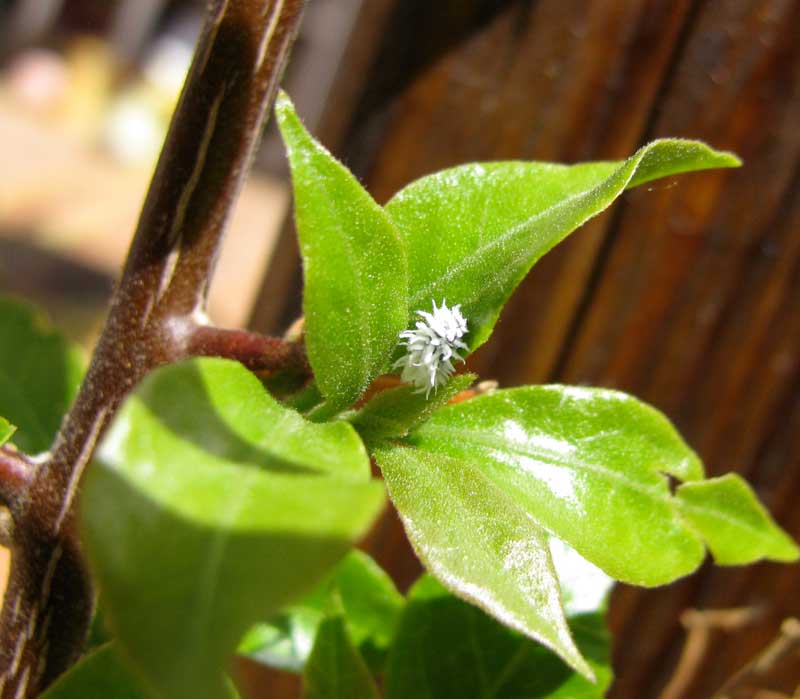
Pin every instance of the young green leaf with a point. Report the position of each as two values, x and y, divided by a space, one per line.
474 231
355 264
210 506
39 375
370 603
101 674
735 526
397 411
585 464
480 543
447 648
335 670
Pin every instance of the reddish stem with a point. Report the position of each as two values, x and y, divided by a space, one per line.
257 352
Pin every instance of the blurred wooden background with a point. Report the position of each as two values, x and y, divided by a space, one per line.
686 293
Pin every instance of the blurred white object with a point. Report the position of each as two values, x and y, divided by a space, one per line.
38 78
138 118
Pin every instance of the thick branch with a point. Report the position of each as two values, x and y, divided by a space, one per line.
232 82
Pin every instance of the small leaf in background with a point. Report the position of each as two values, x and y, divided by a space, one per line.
335 669
480 543
588 465
396 411
371 606
39 375
355 265
6 430
448 648
474 231
736 527
101 674
210 506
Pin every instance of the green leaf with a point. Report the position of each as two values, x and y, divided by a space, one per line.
480 543
39 375
371 605
335 670
355 264
6 430
99 675
447 648
735 526
474 231
587 465
482 483
210 506
395 412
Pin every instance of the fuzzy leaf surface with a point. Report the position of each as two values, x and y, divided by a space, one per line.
39 375
474 231
480 543
210 506
448 648
355 264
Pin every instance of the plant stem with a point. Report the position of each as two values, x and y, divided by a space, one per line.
231 85
257 352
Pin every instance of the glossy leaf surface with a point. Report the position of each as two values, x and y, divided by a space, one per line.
585 464
395 412
355 264
736 527
101 674
210 506
448 648
479 542
39 375
370 604
474 231
335 669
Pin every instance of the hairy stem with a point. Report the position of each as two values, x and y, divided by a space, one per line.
257 352
233 80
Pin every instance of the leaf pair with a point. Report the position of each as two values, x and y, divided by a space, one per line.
467 235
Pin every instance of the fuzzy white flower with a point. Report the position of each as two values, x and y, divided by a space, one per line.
432 347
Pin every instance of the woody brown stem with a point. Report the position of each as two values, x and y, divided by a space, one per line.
232 83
